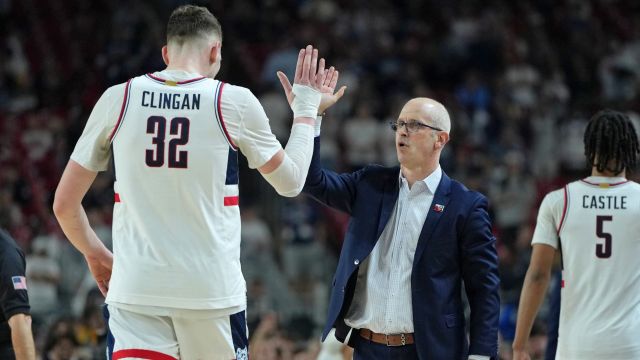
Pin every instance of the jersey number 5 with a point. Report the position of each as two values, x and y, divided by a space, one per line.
157 125
603 251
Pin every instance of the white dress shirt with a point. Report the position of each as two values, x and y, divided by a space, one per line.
382 300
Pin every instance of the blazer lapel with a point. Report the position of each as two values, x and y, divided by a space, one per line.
389 198
437 209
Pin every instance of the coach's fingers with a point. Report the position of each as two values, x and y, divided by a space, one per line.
334 79
321 75
327 79
340 92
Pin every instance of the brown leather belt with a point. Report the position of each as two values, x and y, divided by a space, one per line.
389 340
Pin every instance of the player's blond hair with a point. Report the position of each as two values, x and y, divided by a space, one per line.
189 22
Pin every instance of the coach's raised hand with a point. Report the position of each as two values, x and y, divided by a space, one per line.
329 96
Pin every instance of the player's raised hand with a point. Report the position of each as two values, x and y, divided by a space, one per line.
286 86
305 94
308 71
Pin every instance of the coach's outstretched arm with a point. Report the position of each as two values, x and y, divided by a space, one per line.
287 170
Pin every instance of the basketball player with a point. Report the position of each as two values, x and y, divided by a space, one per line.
174 286
595 225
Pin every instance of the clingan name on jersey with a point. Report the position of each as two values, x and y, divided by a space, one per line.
604 202
176 101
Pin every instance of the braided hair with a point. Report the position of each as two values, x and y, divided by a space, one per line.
611 142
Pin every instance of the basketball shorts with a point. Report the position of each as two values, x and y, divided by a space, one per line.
178 335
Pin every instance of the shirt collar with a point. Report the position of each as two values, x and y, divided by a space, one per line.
177 74
432 181
606 179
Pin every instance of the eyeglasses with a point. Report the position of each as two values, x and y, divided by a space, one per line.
412 126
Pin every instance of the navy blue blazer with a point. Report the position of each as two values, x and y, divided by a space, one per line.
455 245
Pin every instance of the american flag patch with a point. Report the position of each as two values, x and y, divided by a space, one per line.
19 282
438 208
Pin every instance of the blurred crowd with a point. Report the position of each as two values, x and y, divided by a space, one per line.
519 78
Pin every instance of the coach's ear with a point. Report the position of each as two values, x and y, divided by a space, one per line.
165 55
442 138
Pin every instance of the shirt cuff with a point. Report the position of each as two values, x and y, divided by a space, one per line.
479 357
316 127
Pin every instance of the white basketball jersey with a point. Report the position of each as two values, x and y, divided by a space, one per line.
597 225
173 137
176 224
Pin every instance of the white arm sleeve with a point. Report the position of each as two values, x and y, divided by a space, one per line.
288 178
249 127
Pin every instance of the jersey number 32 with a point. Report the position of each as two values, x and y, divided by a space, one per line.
157 126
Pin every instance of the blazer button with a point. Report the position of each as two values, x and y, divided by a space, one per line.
356 262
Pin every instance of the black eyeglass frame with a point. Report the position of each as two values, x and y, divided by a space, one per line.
412 126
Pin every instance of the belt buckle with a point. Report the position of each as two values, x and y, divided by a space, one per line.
403 340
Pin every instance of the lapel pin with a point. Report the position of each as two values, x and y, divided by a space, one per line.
438 208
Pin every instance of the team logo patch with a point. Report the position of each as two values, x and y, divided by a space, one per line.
242 354
19 282
438 208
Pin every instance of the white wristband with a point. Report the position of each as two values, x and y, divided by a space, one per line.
306 101
316 126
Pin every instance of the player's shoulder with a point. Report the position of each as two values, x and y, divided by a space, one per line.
555 199
115 93
557 193
236 92
634 185
632 188
238 98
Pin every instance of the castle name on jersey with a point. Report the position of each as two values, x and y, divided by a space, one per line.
176 101
604 202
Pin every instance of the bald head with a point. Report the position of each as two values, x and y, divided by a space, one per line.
428 110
